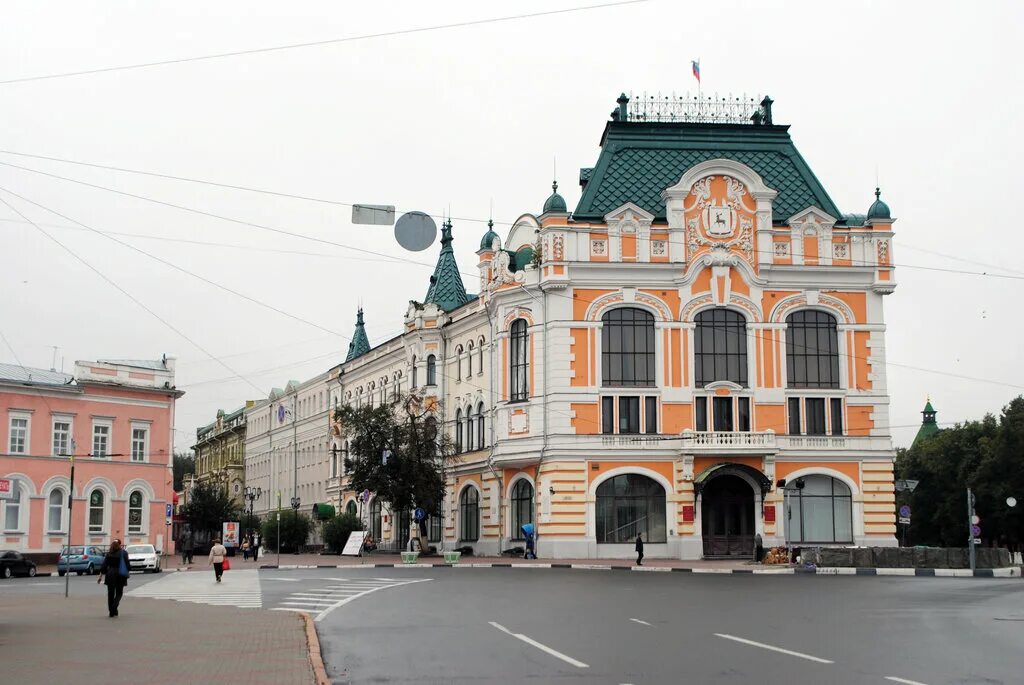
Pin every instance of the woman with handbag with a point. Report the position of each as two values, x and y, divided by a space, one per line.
114 572
218 554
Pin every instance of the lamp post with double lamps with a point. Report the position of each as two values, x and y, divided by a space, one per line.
252 494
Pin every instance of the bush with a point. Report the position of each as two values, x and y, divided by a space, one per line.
336 531
295 529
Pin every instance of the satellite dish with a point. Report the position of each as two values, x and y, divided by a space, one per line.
415 231
1011 501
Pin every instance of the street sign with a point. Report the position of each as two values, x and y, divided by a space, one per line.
419 514
905 511
905 520
910 485
6 488
364 496
977 541
975 520
975 530
375 215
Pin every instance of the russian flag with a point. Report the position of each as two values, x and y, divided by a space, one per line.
696 70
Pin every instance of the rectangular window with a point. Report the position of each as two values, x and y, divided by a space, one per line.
100 440
650 415
629 415
815 407
743 413
18 443
794 416
701 411
139 440
61 437
837 415
607 415
722 412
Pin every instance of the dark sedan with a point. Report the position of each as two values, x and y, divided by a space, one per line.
15 564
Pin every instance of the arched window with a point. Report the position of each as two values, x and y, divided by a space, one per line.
812 350
434 524
480 357
469 359
627 347
470 433
820 510
481 439
458 431
352 508
135 523
55 511
629 505
518 360
458 363
97 511
414 371
522 507
469 507
15 506
375 520
720 347
431 370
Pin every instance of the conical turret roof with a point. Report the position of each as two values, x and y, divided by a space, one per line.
446 289
360 343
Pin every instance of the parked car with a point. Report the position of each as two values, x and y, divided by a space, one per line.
83 559
15 564
143 558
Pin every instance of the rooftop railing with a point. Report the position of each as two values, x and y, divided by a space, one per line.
706 109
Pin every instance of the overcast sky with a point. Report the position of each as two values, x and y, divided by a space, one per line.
925 95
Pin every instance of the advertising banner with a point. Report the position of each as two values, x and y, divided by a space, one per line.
230 537
6 488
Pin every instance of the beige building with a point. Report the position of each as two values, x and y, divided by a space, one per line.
220 452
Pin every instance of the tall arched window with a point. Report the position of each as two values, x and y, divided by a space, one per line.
629 505
470 433
135 523
375 519
469 359
820 510
352 508
97 511
518 360
522 507
469 507
458 431
812 350
458 363
415 373
627 347
55 511
720 347
480 359
15 506
431 370
481 439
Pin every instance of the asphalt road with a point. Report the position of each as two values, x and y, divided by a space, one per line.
504 625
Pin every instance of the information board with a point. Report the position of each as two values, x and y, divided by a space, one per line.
230 538
6 488
354 544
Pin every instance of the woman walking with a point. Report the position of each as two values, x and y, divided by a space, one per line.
114 572
217 554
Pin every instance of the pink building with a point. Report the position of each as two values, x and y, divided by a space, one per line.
117 418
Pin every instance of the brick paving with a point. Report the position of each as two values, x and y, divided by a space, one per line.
50 639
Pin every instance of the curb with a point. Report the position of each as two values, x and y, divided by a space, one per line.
1011 572
316 660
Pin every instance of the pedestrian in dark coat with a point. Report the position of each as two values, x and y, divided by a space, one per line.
639 550
114 562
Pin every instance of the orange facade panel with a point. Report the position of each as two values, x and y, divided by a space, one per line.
676 417
585 420
770 417
580 364
858 302
582 298
663 468
861 364
859 421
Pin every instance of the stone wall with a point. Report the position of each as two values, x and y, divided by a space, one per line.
904 557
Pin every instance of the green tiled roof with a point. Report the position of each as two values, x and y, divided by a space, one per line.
929 426
446 289
360 343
639 160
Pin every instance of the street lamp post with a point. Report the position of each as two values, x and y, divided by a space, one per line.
252 494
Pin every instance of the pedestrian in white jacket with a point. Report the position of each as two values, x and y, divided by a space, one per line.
217 554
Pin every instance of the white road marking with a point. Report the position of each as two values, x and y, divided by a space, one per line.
240 588
283 580
636 620
544 648
301 611
903 680
774 649
364 590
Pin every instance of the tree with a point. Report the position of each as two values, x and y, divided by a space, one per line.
184 463
209 506
295 529
337 530
396 451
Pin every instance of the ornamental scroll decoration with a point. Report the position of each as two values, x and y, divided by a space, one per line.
883 251
501 274
731 212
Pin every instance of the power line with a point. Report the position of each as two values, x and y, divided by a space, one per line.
127 294
310 44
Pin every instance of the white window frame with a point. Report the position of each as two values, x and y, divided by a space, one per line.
16 415
22 503
145 427
109 425
105 523
144 520
62 527
54 420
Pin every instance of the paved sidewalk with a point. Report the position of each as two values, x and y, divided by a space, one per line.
50 639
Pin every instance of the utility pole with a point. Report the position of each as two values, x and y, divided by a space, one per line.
71 498
279 529
295 451
970 527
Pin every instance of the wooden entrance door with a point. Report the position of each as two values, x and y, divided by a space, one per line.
727 517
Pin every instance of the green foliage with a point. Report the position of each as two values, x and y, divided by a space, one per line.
207 507
295 529
988 457
336 531
418 453
184 463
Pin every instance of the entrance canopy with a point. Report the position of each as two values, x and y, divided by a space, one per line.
710 472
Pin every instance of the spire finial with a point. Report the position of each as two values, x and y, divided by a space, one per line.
878 193
554 186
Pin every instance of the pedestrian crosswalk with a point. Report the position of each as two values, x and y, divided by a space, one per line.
239 588
321 601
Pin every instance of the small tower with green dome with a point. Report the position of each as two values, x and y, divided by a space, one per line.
929 426
879 211
555 204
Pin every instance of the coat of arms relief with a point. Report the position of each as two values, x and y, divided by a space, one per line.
719 217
